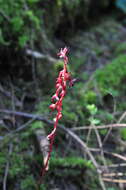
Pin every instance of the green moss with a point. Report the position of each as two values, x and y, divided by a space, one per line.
28 183
36 125
20 21
109 79
43 106
69 109
70 162
120 48
58 66
17 165
2 162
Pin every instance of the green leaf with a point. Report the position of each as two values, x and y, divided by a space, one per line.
37 125
103 131
17 23
123 133
33 18
94 121
22 40
92 109
2 41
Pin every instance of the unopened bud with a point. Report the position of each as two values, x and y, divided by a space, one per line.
55 98
60 115
52 106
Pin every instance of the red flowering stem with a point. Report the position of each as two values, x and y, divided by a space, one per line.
57 98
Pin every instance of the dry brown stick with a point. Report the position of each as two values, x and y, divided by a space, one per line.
44 119
110 129
114 125
22 127
7 168
23 114
43 144
114 165
122 117
111 153
118 156
13 103
113 174
114 180
100 145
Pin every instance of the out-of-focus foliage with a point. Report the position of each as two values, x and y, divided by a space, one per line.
17 20
23 20
107 80
121 4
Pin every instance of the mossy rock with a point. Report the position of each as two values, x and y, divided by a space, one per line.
110 78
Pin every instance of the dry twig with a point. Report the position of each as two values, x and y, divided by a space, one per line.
114 180
114 125
7 168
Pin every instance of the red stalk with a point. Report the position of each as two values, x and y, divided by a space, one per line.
57 98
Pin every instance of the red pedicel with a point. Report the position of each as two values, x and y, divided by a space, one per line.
57 98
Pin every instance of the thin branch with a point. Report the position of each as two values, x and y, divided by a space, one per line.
114 180
4 15
115 165
44 119
39 55
118 156
110 129
100 145
9 95
113 174
122 117
7 168
23 114
22 127
114 125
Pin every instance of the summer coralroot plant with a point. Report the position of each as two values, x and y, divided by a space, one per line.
57 99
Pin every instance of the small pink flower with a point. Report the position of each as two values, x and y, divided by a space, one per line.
67 76
62 53
54 98
62 94
72 82
58 85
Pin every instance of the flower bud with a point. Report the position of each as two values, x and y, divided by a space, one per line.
52 106
59 115
72 82
55 98
67 76
62 94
